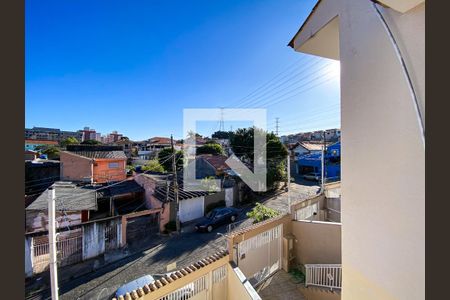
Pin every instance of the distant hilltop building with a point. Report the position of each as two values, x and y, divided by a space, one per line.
331 135
51 134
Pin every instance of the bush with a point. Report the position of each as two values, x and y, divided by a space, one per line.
261 212
211 206
171 226
153 166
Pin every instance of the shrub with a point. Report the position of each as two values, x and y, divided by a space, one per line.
261 212
211 206
153 166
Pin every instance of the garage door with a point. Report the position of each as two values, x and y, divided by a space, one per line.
191 209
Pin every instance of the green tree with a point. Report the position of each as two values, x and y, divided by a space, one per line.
222 134
52 152
153 166
69 141
91 142
276 153
164 158
261 212
214 149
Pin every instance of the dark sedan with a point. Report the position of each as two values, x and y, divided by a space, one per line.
216 218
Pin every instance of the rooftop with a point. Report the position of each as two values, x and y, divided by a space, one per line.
217 161
68 196
97 151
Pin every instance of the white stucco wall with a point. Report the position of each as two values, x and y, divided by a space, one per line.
383 156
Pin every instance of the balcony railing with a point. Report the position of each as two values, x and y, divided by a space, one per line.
329 275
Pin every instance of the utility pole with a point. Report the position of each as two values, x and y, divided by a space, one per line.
175 185
277 121
52 244
323 162
289 182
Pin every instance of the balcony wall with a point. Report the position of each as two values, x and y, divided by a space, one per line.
317 242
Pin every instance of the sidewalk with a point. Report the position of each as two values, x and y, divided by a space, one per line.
41 281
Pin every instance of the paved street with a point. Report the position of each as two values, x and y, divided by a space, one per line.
183 249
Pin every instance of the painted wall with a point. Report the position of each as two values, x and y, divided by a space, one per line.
75 167
383 155
214 198
103 172
28 257
149 186
317 242
237 289
36 220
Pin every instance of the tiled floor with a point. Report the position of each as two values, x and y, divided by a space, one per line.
280 287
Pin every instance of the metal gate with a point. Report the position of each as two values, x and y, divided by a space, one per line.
260 256
69 250
141 228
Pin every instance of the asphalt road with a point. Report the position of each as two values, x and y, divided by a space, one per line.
183 249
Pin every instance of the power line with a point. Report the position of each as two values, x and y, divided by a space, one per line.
270 102
289 66
273 92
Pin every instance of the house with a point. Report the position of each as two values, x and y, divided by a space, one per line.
381 47
33 144
312 162
302 148
126 144
149 149
73 206
30 155
93 163
159 193
208 165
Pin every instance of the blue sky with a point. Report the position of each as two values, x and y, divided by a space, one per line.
133 66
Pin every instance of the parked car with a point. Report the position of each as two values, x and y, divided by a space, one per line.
217 217
312 176
133 285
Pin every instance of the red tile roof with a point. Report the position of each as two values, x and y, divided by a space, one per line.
217 161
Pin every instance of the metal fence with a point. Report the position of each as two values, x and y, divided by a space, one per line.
324 275
69 249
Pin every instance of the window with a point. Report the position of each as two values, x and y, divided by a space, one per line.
113 165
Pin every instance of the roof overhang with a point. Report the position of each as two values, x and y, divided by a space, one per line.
319 34
400 5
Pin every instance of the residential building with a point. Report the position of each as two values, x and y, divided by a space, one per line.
208 165
50 134
381 47
302 148
30 155
89 134
312 163
73 205
93 163
126 144
159 193
31 145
